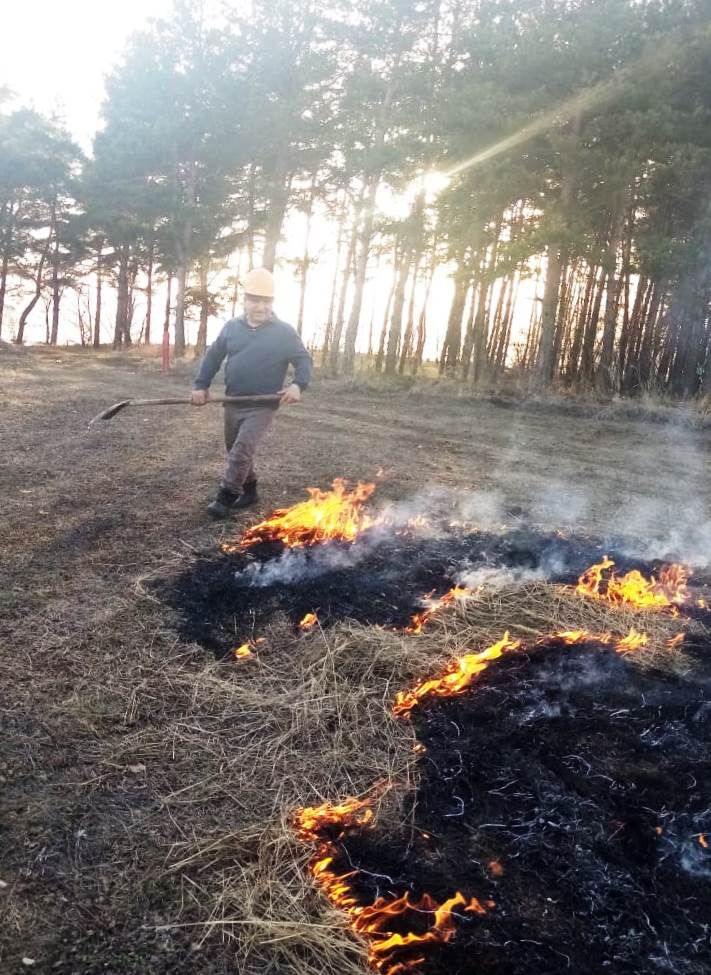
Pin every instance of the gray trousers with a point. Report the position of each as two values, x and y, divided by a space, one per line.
244 429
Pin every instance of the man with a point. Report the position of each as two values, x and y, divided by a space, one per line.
259 349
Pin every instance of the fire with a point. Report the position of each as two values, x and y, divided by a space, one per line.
312 821
461 672
457 678
247 649
335 515
495 868
703 841
455 594
676 641
633 641
375 922
623 644
633 589
311 619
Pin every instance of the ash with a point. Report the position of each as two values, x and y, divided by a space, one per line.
379 579
571 788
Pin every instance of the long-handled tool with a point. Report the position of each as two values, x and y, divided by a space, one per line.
175 401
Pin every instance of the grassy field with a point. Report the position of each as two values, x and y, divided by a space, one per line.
146 789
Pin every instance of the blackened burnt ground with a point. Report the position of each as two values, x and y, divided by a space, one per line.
573 788
222 600
127 751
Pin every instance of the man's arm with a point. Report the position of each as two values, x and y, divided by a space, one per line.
211 362
301 361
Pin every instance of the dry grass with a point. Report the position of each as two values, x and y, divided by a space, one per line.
199 767
146 790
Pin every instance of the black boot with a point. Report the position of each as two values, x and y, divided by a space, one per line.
247 497
222 505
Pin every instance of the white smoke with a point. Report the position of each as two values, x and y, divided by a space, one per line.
561 505
493 578
483 508
299 564
672 524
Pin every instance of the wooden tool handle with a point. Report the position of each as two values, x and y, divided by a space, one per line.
174 401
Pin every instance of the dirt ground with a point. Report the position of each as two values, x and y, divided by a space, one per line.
123 787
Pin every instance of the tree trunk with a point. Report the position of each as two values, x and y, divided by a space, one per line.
306 259
368 217
449 356
347 272
97 316
166 320
396 316
604 377
328 333
27 310
201 340
56 292
468 343
422 320
406 352
3 285
149 294
587 363
386 317
349 342
545 366
184 247
11 209
272 232
573 370
121 298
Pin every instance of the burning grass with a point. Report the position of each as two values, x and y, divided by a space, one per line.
223 754
148 790
313 722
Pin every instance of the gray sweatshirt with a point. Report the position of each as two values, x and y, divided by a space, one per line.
257 358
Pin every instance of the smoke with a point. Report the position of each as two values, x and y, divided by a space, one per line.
561 505
493 578
483 508
300 564
673 524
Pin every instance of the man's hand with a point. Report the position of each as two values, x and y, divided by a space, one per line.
199 397
292 394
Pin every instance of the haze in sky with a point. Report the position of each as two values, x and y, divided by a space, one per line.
55 55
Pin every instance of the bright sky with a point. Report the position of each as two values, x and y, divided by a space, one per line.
55 54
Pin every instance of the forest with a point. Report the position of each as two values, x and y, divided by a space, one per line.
554 157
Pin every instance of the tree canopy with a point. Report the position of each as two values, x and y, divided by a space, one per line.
572 217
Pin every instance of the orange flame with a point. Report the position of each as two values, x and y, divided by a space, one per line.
312 821
633 641
461 672
676 641
247 649
703 841
420 620
457 678
311 619
334 515
495 868
373 922
633 589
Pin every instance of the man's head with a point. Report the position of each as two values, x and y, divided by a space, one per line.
258 295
